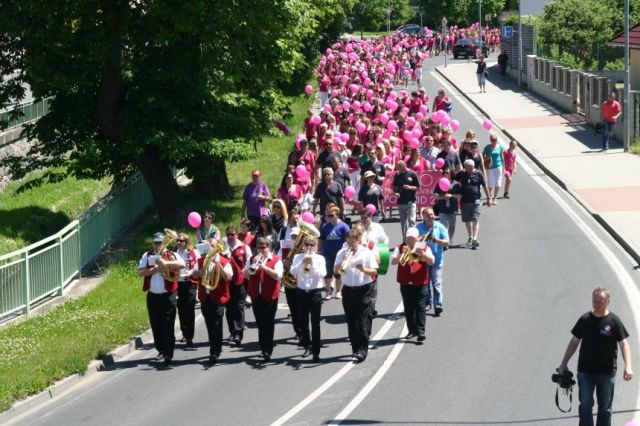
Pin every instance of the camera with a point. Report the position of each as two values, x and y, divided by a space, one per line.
564 380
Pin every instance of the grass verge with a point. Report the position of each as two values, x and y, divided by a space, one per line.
39 351
34 214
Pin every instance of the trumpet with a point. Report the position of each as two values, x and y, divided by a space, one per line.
307 267
257 261
346 262
408 254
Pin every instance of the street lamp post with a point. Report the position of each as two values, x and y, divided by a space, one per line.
389 17
627 92
519 44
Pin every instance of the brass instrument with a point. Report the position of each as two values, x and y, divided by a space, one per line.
169 274
257 261
306 230
307 268
346 261
211 272
409 254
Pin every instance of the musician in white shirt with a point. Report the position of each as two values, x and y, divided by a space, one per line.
358 267
309 268
373 232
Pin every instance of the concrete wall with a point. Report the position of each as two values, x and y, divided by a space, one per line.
570 90
11 145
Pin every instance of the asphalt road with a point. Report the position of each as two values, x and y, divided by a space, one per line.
509 308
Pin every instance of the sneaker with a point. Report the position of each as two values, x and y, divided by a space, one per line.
470 242
328 295
475 244
339 295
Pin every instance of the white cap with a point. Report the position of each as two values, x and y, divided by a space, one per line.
413 232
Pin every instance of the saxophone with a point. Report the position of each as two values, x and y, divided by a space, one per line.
211 272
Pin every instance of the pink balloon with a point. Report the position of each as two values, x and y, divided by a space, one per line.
384 118
439 163
392 125
361 127
407 135
414 143
308 89
419 116
315 119
371 208
369 93
455 125
487 124
393 95
387 134
445 120
349 191
334 93
444 183
344 137
194 219
345 79
436 117
346 105
326 108
411 121
367 107
416 132
307 217
424 110
354 88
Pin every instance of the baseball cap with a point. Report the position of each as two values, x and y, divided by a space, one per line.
369 174
255 173
413 232
158 237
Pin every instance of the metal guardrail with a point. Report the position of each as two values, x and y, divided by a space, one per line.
45 268
30 111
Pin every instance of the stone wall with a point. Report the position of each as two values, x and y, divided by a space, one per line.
11 144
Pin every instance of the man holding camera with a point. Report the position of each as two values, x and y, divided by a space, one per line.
599 331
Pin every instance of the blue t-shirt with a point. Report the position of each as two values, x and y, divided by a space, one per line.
441 233
333 237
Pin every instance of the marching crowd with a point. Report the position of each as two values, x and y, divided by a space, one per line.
301 236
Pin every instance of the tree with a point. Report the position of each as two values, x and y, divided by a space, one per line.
576 33
149 84
458 12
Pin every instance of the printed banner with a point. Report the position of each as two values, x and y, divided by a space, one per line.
424 196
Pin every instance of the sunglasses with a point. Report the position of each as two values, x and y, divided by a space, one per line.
208 217
181 241
277 206
309 244
262 247
331 215
231 235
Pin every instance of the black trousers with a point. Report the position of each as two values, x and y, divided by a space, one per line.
162 317
414 299
265 313
292 300
213 314
356 302
309 304
235 309
187 308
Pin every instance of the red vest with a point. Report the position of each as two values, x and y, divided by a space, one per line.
170 286
221 294
416 273
238 259
270 287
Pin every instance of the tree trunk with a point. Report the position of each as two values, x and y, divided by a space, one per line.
164 188
211 181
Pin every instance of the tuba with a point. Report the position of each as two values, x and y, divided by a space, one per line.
211 272
306 230
170 236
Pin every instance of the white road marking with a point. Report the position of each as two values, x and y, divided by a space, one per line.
333 379
624 278
372 382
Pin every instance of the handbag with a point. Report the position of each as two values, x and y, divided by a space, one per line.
486 159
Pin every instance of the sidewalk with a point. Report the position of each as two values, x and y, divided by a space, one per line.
566 148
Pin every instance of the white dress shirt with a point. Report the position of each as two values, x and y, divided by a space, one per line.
353 277
375 233
157 280
311 280
184 255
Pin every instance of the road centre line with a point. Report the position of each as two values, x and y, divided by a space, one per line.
341 373
624 278
364 392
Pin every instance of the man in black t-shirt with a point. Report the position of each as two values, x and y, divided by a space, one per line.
471 180
340 174
600 332
450 157
405 186
325 157
328 191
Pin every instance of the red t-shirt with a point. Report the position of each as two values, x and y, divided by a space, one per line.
609 110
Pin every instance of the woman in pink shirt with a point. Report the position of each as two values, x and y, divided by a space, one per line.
289 192
441 102
416 163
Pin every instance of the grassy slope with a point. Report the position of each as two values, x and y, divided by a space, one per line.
37 352
28 216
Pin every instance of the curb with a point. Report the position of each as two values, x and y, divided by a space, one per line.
598 218
63 385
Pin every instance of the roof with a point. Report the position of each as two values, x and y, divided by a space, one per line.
634 37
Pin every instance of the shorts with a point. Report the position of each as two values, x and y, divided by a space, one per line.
494 177
330 260
470 212
481 79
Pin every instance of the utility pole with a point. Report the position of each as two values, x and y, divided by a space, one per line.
519 44
627 92
389 17
480 24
